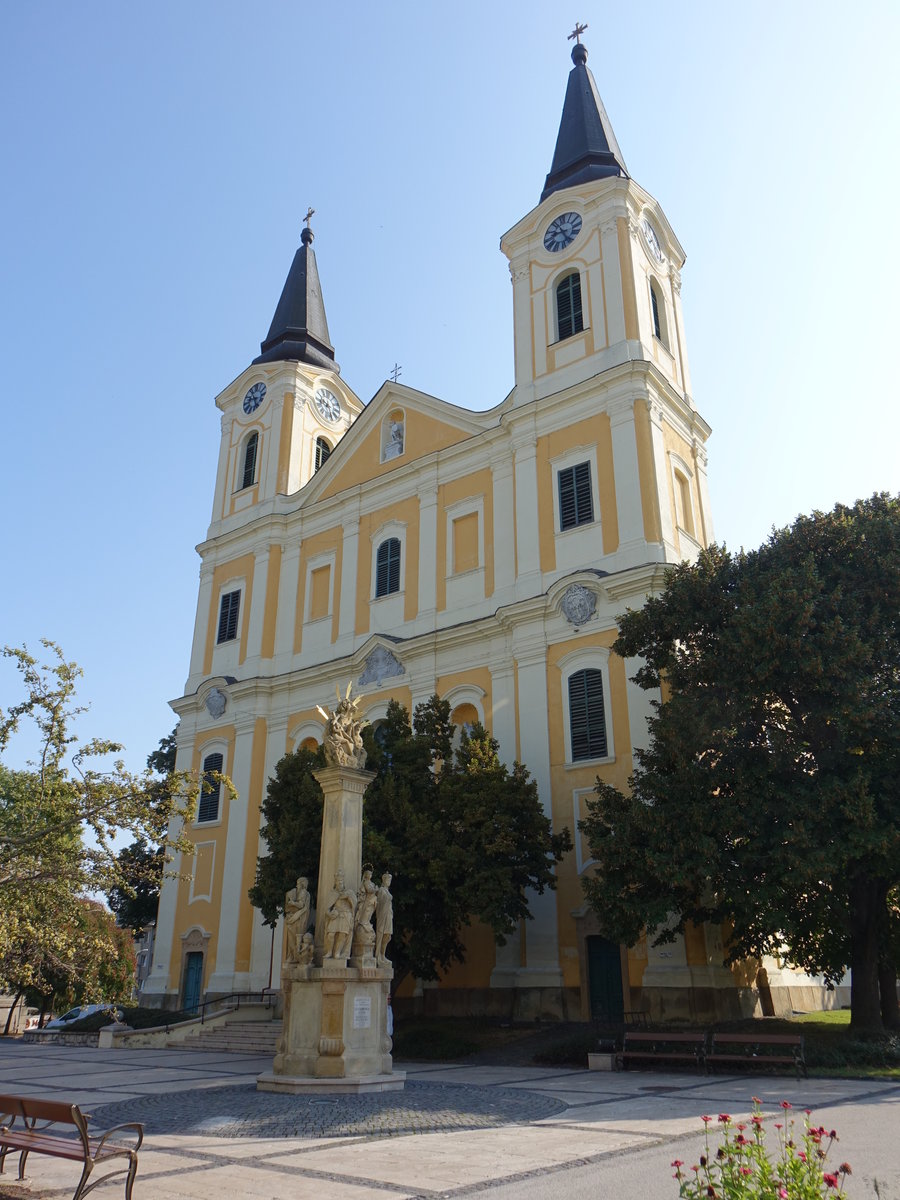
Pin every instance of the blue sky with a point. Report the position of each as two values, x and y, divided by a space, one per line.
158 160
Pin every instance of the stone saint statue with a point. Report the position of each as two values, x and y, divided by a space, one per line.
296 919
363 933
339 914
384 918
343 734
305 957
394 447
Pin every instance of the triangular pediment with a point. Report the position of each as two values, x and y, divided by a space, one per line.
397 429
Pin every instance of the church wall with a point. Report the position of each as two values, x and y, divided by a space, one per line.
273 580
239 572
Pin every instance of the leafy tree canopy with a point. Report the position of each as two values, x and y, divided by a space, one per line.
60 819
464 837
770 793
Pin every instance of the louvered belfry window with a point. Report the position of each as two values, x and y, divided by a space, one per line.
568 306
208 807
323 450
587 717
250 460
228 616
654 304
576 504
387 568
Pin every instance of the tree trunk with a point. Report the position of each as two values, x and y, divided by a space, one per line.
12 1009
887 984
865 914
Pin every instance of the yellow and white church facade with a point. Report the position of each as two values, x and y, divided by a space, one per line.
413 547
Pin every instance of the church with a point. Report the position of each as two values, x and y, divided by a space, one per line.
414 547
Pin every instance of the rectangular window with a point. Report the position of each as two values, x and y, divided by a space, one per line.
320 591
228 616
576 505
387 568
587 716
465 543
208 806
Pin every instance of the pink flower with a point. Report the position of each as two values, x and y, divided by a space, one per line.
706 1120
756 1099
676 1162
777 1126
782 1194
745 1170
801 1156
786 1104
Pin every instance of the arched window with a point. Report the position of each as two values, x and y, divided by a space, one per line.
250 447
208 807
684 508
387 568
323 450
568 306
587 715
657 304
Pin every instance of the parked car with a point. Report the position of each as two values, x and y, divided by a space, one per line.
80 1011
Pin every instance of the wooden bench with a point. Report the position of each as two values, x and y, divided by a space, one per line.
758 1050
61 1130
663 1047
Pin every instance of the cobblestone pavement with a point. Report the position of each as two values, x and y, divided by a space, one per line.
421 1107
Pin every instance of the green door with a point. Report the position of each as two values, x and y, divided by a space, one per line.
605 979
193 975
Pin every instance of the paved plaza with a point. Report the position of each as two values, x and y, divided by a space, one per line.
455 1130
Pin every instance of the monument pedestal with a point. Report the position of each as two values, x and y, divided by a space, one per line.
335 1032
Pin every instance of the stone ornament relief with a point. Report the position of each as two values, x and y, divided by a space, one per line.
578 604
380 665
297 904
343 733
216 702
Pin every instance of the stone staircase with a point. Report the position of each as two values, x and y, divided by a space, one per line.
237 1037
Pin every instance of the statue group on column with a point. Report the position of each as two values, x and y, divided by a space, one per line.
347 927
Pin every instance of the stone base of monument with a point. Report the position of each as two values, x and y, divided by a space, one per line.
335 1032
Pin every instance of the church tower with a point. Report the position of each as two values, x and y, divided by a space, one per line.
596 273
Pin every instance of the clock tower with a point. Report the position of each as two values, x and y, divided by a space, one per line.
596 274
283 416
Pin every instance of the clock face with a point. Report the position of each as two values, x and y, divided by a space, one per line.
328 404
562 232
651 239
254 398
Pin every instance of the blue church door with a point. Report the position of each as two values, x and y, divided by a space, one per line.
193 976
605 980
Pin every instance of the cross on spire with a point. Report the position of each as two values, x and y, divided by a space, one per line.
577 32
395 372
310 213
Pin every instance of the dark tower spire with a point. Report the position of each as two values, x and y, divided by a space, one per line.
586 147
299 330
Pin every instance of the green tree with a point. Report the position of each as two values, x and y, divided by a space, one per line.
60 819
769 795
135 898
464 837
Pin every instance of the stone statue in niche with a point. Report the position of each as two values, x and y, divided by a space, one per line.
343 733
384 919
578 604
393 447
363 933
296 919
339 914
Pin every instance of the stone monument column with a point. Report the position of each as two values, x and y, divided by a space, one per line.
336 991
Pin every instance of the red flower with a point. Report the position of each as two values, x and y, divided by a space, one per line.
844 1169
724 1118
833 1135
676 1162
745 1170
808 1111
756 1099
786 1104
777 1126
742 1127
801 1156
706 1120
830 1181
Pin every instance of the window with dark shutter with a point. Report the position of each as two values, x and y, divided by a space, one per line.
208 808
576 504
568 306
654 304
249 477
387 568
228 616
587 718
323 450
